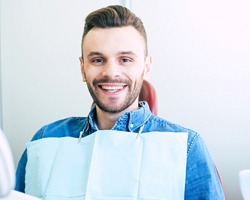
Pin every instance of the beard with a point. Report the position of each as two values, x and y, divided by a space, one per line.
132 95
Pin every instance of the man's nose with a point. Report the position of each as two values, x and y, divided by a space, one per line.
111 69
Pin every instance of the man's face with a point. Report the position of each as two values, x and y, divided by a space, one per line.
114 66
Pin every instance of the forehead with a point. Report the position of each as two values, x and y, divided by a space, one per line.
111 40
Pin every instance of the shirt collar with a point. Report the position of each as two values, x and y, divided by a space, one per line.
129 121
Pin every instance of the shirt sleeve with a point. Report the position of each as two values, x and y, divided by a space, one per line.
202 179
21 168
20 173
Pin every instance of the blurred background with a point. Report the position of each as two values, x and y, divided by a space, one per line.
201 70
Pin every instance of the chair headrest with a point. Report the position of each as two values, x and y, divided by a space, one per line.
148 93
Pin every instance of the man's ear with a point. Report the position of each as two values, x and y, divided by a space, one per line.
148 65
82 68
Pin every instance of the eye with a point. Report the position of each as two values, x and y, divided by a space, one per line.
97 60
126 60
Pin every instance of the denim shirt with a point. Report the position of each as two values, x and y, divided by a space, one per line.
202 180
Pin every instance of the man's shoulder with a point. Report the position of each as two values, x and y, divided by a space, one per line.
156 123
70 126
166 125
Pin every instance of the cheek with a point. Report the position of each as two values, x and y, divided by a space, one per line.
90 74
137 72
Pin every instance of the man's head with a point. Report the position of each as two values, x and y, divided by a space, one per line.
114 58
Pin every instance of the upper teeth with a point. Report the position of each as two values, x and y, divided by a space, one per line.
107 87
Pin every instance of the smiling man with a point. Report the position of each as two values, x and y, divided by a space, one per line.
120 150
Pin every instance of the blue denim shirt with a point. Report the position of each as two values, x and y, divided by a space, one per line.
202 180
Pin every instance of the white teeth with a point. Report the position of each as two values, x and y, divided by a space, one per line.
111 88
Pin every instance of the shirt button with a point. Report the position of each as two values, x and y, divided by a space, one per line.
131 125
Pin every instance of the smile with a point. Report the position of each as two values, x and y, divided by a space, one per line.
112 88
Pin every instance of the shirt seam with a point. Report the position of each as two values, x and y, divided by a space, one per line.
191 143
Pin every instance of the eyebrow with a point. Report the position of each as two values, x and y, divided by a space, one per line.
96 53
127 53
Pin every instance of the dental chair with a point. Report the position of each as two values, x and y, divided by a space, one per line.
148 94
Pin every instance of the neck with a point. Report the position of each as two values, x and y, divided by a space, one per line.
106 120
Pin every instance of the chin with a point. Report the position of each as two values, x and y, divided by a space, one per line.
112 109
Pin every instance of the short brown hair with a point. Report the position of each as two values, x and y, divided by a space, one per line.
114 16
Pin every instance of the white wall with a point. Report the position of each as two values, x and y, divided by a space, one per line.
201 71
201 52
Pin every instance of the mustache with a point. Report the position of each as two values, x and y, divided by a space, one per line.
108 80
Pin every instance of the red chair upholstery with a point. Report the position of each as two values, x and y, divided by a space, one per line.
148 94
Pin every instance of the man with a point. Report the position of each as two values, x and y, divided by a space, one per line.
114 63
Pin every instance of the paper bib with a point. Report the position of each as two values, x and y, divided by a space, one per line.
108 165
